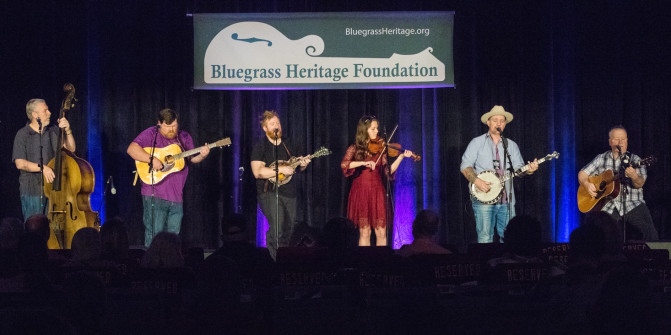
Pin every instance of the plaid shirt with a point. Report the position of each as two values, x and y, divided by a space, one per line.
633 196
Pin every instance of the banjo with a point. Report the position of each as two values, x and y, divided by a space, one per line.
496 183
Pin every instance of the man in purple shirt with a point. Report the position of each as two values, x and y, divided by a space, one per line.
163 201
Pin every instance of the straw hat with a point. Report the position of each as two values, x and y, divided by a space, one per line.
496 110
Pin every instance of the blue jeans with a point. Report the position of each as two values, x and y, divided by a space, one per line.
167 217
30 205
489 216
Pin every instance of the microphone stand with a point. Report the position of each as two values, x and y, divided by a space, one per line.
510 169
389 198
151 171
241 172
102 200
277 195
623 192
42 207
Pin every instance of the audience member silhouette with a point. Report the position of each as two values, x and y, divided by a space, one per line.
85 246
623 305
522 242
582 282
32 256
424 227
236 245
114 240
38 223
10 233
216 300
86 301
340 233
164 252
255 266
338 242
11 229
613 240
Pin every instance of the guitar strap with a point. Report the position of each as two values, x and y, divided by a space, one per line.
287 149
179 141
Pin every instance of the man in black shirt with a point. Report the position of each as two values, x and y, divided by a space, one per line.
26 154
263 155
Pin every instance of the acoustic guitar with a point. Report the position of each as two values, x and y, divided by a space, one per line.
294 162
172 158
607 187
496 182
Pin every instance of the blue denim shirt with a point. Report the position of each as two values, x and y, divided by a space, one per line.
480 155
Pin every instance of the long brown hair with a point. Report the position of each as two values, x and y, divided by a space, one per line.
361 139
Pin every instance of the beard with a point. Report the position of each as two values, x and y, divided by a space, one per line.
169 134
271 133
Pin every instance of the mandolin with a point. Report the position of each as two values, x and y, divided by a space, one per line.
294 162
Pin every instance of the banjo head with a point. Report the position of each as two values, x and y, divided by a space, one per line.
495 192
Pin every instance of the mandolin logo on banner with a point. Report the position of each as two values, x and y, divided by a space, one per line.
323 50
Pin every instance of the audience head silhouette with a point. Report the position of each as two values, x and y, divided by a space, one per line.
523 235
10 230
339 232
86 245
38 223
612 234
425 224
165 251
587 242
234 228
114 239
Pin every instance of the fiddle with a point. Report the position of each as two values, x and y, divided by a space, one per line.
377 145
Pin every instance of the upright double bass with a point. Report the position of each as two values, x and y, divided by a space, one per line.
69 193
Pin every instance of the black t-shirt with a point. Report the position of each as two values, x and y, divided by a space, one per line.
263 151
27 147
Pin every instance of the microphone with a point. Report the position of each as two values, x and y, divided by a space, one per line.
619 149
112 188
499 130
39 122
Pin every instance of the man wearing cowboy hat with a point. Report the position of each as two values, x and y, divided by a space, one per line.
492 152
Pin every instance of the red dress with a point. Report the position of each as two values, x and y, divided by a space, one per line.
366 203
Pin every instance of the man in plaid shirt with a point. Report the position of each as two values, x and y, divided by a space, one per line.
633 209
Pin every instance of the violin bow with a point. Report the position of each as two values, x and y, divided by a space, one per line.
387 143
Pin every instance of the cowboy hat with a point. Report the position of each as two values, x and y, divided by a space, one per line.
496 110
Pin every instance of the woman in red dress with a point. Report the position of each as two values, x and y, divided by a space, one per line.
366 204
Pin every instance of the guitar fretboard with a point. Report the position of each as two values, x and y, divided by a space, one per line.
194 151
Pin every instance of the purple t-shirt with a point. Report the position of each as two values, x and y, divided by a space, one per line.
170 188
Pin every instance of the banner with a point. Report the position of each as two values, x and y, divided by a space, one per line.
323 50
